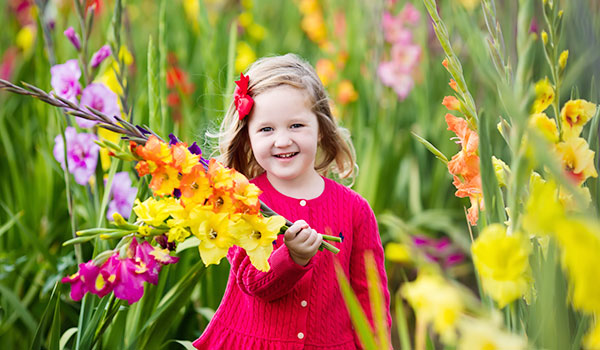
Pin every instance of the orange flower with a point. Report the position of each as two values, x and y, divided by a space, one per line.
325 70
155 150
220 177
183 159
164 180
246 195
453 85
346 92
195 186
452 103
445 63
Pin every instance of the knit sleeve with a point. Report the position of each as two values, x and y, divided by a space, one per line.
274 284
366 237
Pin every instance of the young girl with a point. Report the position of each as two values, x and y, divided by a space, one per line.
280 132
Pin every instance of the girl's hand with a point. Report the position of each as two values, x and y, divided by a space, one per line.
302 241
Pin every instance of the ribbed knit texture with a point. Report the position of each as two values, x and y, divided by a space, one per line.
264 311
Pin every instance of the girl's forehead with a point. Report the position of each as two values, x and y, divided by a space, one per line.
281 101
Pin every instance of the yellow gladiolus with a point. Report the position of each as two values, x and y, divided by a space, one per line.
154 212
215 236
562 59
502 262
546 126
177 233
487 335
256 235
574 115
544 37
502 171
592 338
435 300
397 252
544 95
579 241
26 38
577 159
542 209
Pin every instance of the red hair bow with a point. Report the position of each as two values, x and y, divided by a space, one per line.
243 102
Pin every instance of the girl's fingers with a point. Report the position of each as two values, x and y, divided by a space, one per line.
293 231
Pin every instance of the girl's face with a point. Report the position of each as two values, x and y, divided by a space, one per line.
284 134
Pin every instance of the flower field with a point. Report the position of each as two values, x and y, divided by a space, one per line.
476 128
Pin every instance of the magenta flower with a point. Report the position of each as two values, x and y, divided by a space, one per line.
123 196
440 251
82 154
100 55
82 279
101 98
65 80
146 265
73 37
394 30
128 285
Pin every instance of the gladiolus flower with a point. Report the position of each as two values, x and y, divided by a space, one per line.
325 70
394 30
435 301
256 235
546 126
65 80
397 252
483 335
123 195
82 154
577 159
73 37
562 59
544 95
26 38
100 98
453 85
154 212
544 37
244 57
81 279
452 103
215 237
100 55
445 63
574 115
592 338
502 262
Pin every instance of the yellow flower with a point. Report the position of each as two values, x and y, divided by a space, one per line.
26 38
144 230
544 95
435 300
562 60
154 212
579 241
215 237
577 159
256 235
542 209
245 56
469 4
592 338
502 262
309 6
325 70
257 32
574 115
502 171
192 11
177 233
574 204
164 180
487 335
397 252
105 134
109 78
545 126
544 37
245 19
125 56
346 92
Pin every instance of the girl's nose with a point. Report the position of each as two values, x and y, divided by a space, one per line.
282 139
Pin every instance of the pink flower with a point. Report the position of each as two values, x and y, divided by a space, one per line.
146 267
394 30
82 154
406 56
123 196
73 37
410 14
440 251
101 98
65 80
100 55
7 64
243 102
392 75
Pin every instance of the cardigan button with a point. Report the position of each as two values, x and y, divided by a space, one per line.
303 303
303 202
300 335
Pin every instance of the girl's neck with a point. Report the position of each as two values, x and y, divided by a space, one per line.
307 187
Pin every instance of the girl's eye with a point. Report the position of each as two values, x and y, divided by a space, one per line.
266 129
297 125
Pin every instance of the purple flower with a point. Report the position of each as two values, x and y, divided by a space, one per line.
123 196
65 80
100 55
82 154
101 98
73 37
440 251
173 140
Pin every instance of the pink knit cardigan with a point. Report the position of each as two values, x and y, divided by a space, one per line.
296 307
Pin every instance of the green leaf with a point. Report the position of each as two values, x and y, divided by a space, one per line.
494 203
64 339
153 89
50 307
231 50
436 152
359 320
10 223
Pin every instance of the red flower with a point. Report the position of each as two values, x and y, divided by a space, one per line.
243 102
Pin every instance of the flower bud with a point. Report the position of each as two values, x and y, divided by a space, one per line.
562 60
73 37
544 37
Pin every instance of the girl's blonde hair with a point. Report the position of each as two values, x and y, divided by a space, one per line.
336 152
